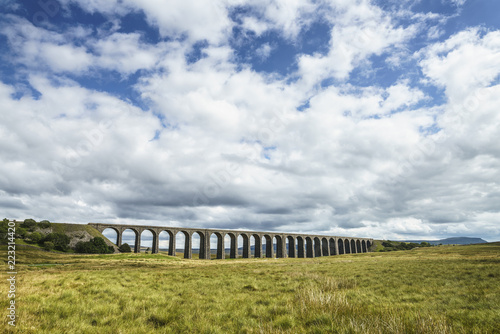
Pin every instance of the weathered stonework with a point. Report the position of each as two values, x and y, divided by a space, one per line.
307 245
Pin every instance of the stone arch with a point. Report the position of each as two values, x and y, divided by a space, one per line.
170 245
154 248
233 245
257 245
368 245
332 245
269 245
363 246
202 244
118 235
353 246
291 246
317 247
301 247
239 245
340 244
347 246
187 243
220 251
246 246
136 237
309 247
358 246
279 246
325 250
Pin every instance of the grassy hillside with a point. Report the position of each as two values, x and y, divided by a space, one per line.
76 232
426 290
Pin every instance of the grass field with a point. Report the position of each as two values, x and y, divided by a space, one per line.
427 290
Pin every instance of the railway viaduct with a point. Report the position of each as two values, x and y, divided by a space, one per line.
306 245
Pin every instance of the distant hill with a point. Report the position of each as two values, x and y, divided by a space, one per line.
452 241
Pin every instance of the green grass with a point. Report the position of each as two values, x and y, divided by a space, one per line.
426 290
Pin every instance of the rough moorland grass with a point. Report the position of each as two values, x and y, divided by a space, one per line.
428 290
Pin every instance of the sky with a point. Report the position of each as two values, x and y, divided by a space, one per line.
358 118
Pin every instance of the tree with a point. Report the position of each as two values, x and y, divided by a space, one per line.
29 224
96 245
125 248
44 224
48 245
35 237
21 232
60 241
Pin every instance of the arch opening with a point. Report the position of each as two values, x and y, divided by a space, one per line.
112 234
333 251
231 245
325 250
278 246
291 247
197 251
300 247
309 247
147 241
257 242
240 245
340 244
268 246
217 245
164 241
317 247
131 237
181 239
347 246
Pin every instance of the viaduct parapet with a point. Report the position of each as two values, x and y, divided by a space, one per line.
287 244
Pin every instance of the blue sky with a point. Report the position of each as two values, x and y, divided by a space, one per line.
366 118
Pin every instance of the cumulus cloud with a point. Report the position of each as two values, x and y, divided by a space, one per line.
217 143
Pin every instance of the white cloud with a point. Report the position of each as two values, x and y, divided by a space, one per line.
359 31
464 62
224 146
264 51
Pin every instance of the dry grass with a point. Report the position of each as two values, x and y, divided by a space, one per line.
431 290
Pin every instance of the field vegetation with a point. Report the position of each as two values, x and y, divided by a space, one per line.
426 290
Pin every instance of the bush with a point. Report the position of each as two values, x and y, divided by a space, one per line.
95 246
48 245
29 224
4 228
44 224
21 232
60 241
125 248
35 237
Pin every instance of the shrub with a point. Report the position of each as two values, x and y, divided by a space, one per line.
35 237
60 241
21 232
95 246
4 228
48 245
125 248
29 224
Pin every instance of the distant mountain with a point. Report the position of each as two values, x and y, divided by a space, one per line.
452 241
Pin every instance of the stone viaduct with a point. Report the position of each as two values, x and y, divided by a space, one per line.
306 245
